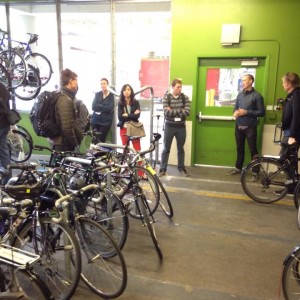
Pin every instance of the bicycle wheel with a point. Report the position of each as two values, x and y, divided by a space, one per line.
150 189
164 200
270 185
144 208
32 286
109 212
19 145
15 65
25 131
291 276
5 77
60 264
30 87
103 265
42 64
297 198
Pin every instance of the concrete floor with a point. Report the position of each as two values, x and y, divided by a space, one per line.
219 245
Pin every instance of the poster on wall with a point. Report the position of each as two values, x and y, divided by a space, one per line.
224 84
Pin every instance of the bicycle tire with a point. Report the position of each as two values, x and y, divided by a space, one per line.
297 198
291 275
24 130
5 77
42 64
145 211
16 66
19 145
104 270
164 200
32 286
114 220
150 189
59 266
270 185
30 87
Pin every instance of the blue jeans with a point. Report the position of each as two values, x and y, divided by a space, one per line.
4 152
180 135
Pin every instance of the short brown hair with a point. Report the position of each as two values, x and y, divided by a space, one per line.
65 76
292 78
175 81
104 79
251 77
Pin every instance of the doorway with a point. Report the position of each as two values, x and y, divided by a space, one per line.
219 82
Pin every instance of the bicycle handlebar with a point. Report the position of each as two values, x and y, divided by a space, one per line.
59 202
25 167
41 148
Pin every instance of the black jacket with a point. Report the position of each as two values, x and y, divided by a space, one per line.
287 114
295 120
131 116
4 105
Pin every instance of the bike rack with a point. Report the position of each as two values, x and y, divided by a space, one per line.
16 257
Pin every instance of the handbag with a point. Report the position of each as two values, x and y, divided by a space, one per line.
13 117
135 129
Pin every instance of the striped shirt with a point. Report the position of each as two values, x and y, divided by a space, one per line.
180 109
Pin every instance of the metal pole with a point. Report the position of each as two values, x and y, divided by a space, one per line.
59 35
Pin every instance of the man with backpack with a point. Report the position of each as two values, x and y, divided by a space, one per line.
70 135
4 129
176 107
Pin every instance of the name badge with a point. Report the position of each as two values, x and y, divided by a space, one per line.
177 119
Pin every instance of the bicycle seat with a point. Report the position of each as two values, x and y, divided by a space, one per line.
33 38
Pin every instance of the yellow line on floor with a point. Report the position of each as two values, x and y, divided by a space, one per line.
287 202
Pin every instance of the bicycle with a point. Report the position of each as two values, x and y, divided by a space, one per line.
276 175
128 155
103 269
37 60
33 231
15 66
20 144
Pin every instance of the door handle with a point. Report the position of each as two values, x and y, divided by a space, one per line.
201 117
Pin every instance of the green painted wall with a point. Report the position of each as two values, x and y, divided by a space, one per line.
269 28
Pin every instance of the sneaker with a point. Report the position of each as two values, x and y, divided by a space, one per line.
184 173
234 172
161 173
279 192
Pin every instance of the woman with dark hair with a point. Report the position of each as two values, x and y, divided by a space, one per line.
103 107
128 110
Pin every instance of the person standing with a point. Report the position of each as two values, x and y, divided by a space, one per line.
290 119
249 106
128 110
176 107
103 107
70 135
4 129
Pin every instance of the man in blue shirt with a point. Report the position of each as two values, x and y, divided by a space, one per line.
248 108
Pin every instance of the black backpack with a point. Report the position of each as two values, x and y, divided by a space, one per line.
42 115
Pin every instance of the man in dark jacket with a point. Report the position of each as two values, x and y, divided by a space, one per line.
70 135
4 129
248 108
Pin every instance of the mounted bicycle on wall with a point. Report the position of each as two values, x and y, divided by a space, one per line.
28 71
